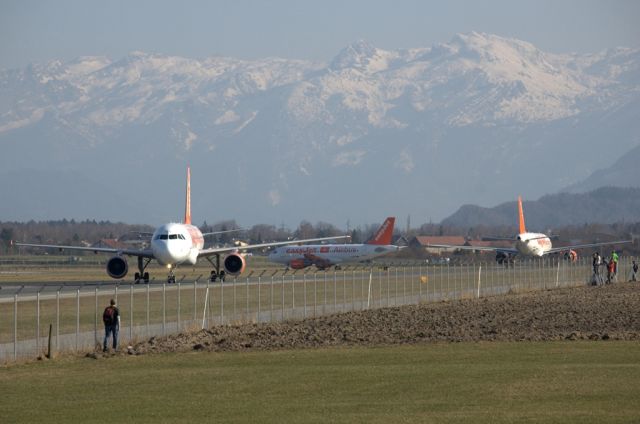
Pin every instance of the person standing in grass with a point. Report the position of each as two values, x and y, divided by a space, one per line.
111 319
634 271
597 262
614 258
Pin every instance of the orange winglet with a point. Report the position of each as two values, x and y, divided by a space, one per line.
522 228
187 206
384 233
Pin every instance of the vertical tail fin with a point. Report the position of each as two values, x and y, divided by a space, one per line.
384 233
187 206
522 228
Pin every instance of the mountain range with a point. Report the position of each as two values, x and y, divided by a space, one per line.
373 132
605 205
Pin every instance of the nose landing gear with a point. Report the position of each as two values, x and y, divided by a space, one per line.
171 279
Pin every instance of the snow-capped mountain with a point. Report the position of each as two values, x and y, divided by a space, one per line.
373 132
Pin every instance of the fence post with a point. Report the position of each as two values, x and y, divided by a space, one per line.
369 289
448 290
335 290
282 288
164 306
344 291
293 295
324 304
271 300
178 325
315 292
57 319
353 290
15 326
388 288
246 319
304 289
396 294
78 316
404 285
259 296
95 320
195 302
419 283
479 279
38 323
148 310
131 313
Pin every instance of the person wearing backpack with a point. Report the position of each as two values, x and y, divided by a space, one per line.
111 319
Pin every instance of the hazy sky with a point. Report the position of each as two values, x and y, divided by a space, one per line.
38 30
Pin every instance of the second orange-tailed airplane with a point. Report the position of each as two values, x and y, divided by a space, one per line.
528 244
324 256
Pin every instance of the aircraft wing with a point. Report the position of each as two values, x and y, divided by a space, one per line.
218 250
146 253
582 246
508 250
224 232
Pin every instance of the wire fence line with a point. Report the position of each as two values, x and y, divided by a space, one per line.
73 316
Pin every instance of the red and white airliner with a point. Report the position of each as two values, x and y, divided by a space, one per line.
324 256
174 244
528 244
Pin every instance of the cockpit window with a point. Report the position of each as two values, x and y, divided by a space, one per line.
173 236
162 237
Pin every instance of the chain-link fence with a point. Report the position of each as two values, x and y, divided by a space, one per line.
48 319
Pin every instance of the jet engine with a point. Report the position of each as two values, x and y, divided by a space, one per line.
234 264
117 267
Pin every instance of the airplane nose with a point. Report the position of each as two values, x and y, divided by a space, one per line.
161 252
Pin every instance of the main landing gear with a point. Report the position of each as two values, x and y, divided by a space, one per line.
216 273
142 275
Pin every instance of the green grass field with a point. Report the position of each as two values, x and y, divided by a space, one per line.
563 382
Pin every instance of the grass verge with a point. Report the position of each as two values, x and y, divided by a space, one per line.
560 382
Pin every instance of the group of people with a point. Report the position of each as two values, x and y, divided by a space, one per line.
611 265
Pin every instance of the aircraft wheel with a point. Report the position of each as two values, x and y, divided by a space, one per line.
136 278
145 277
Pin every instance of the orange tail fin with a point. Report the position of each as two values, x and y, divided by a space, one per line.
522 228
187 206
384 233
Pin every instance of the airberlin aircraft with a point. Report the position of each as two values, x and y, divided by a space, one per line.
175 244
324 256
528 244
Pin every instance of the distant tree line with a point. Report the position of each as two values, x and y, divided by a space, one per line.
71 232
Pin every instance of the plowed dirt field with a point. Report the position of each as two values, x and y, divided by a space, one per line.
597 313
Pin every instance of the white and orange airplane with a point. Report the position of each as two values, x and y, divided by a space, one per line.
324 256
175 244
528 244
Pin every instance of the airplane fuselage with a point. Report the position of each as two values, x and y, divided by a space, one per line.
175 244
533 244
326 255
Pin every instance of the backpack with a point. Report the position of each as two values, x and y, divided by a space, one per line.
109 315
